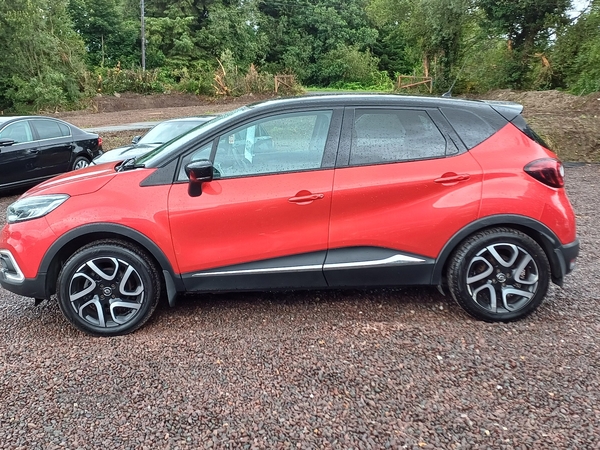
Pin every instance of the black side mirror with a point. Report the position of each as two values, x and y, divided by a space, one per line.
6 142
198 172
136 139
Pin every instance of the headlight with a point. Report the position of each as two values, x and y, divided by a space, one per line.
33 207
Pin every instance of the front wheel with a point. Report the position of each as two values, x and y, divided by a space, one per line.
499 275
108 288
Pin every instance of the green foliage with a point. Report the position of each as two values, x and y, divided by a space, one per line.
527 24
300 34
348 67
113 80
434 32
109 37
55 51
576 55
42 57
229 80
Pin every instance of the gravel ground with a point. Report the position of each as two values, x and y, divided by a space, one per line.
379 369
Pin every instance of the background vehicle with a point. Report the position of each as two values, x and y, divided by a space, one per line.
161 133
304 193
35 148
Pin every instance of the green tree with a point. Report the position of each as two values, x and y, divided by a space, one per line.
576 54
527 26
434 31
300 33
42 57
109 38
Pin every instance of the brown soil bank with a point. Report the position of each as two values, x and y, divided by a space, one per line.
570 124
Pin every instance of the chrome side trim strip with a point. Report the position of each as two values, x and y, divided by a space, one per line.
265 270
392 260
396 259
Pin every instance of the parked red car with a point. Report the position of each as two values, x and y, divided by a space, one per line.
304 193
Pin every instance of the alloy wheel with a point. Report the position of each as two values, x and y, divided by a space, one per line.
106 292
502 278
81 164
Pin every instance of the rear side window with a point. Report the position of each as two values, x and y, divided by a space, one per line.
382 136
474 126
48 129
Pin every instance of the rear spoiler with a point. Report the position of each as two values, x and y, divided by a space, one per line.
509 110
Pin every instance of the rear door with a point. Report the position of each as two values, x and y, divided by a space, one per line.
403 187
55 147
17 161
263 222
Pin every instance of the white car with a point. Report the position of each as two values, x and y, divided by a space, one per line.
161 133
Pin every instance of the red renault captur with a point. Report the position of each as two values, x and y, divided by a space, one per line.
304 193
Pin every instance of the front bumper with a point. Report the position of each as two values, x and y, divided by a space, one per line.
13 280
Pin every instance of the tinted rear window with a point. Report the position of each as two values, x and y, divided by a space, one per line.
520 123
47 129
474 126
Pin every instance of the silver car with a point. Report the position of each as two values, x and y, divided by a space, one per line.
161 133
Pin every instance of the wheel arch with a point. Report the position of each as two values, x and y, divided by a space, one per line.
533 228
71 241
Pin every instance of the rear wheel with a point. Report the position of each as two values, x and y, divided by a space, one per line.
499 275
108 288
80 162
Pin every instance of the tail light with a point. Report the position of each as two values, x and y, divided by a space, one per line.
99 141
549 171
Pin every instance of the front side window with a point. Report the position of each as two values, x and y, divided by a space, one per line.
19 132
283 143
47 129
383 136
196 155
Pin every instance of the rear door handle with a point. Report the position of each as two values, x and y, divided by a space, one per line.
452 178
33 151
305 198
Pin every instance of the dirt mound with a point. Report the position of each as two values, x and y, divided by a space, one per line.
549 101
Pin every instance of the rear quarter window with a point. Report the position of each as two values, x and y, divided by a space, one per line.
474 127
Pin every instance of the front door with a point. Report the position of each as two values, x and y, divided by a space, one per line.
263 221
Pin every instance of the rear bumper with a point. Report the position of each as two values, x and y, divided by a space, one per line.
565 256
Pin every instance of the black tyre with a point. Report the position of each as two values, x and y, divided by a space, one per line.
108 288
499 275
80 163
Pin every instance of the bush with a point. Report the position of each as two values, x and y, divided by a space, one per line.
110 81
348 66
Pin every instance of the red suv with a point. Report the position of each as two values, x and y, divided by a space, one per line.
304 193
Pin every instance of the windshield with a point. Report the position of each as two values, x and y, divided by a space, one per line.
148 158
165 131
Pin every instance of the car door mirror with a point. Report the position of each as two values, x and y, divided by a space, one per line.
136 139
198 172
6 142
